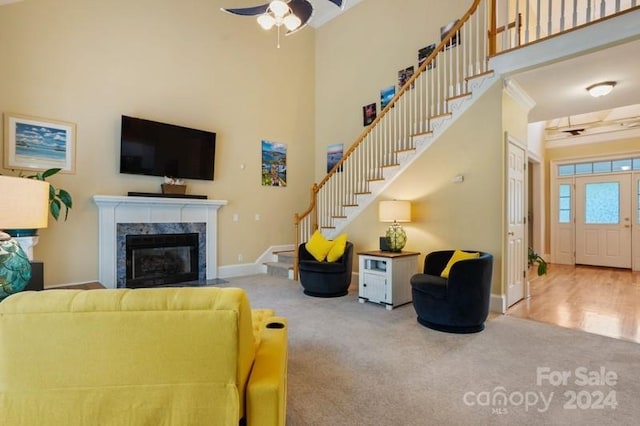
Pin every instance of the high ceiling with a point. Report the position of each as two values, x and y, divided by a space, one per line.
559 89
324 11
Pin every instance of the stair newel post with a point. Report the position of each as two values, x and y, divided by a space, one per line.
314 203
296 225
493 28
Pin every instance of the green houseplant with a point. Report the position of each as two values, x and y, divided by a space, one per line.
536 259
58 198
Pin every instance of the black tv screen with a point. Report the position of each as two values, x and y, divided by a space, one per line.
159 149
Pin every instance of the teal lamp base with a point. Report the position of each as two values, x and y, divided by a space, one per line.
396 237
15 268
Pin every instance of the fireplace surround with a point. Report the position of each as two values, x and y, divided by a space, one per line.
150 214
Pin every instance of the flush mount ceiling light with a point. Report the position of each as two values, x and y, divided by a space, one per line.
601 89
293 14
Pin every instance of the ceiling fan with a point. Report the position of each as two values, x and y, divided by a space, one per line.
268 14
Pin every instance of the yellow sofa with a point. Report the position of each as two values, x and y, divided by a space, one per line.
163 356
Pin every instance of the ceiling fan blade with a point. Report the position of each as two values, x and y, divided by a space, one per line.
303 10
338 3
248 11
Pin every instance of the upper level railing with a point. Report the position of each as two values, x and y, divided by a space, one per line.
488 28
521 22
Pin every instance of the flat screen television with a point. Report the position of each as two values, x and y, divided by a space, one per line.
160 149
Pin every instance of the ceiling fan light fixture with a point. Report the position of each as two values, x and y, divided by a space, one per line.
601 89
266 21
292 22
279 8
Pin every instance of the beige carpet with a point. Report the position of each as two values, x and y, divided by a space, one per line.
359 364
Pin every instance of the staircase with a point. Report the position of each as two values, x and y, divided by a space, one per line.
283 266
443 88
446 84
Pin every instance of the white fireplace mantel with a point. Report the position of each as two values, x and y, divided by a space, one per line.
113 209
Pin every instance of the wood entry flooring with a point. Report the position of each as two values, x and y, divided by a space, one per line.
597 300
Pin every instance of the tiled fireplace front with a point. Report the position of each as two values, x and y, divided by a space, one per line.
122 215
139 229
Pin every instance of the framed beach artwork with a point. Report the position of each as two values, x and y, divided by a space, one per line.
33 143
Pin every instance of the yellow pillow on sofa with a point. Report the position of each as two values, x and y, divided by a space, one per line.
318 246
337 250
457 255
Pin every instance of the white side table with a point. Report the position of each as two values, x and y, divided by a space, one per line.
384 277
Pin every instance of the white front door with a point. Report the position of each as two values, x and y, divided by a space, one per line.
516 226
603 220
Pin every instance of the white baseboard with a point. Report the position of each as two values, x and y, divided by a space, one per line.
241 270
254 268
269 256
498 303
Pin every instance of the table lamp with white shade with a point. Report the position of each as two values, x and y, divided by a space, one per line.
24 204
395 211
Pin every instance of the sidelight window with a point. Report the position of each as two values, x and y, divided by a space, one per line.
564 201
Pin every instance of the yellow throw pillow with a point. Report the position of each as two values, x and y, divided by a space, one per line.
457 255
318 246
337 250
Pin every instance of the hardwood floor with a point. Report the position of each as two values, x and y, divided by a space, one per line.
597 300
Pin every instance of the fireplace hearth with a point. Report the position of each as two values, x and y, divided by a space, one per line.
161 259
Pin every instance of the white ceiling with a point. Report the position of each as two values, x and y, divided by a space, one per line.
324 11
559 89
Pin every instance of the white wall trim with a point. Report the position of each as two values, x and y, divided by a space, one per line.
114 209
498 303
244 269
258 267
513 89
269 256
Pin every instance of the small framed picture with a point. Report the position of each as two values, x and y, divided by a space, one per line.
424 53
404 76
274 164
455 40
334 154
386 95
34 143
369 114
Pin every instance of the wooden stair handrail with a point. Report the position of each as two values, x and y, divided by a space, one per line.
441 47
408 84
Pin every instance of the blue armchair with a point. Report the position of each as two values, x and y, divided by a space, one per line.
459 303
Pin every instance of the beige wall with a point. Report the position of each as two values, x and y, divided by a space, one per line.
185 63
90 62
361 52
447 215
